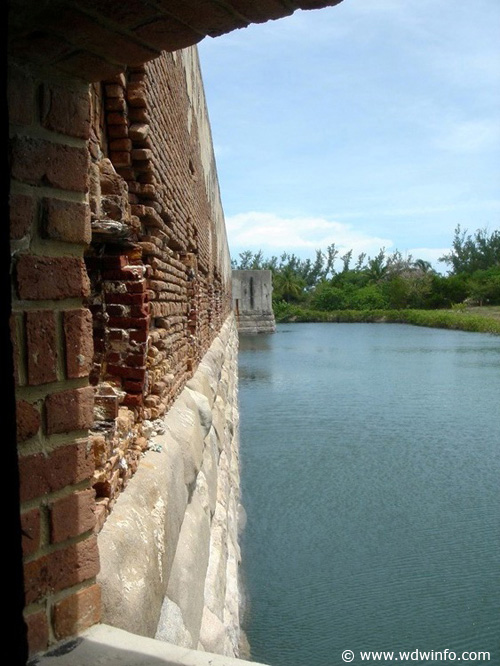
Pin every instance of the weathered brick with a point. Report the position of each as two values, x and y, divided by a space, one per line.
40 162
120 144
41 474
61 569
136 94
66 111
22 215
117 131
28 420
72 515
120 158
41 347
38 631
139 131
115 104
67 221
129 373
116 118
79 342
51 277
133 400
70 410
30 524
78 612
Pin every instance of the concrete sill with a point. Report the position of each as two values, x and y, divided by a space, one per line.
103 645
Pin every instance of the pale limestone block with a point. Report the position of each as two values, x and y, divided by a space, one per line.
171 626
187 578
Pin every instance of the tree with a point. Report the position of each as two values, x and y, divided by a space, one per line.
473 253
288 285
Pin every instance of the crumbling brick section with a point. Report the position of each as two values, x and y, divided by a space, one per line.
119 293
52 337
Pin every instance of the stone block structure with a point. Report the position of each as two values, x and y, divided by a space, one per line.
120 271
252 301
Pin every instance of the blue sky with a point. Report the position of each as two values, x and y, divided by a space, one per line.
375 123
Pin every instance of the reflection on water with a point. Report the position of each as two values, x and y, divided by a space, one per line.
370 467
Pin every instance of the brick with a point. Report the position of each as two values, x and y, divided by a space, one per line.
79 342
20 97
66 111
67 221
120 145
114 90
133 386
125 299
22 215
133 400
41 342
142 154
117 131
78 612
120 158
70 410
116 118
135 360
61 569
108 487
129 322
139 115
38 632
41 474
139 131
115 104
41 162
72 515
28 420
136 95
129 373
30 524
138 336
55 278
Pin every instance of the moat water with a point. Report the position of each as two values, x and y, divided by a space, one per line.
370 478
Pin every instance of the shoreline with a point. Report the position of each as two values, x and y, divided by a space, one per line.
463 321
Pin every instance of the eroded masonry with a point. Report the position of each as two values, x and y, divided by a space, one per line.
146 252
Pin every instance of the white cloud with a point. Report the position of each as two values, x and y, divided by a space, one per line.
274 234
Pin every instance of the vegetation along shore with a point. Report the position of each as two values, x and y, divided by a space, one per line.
390 287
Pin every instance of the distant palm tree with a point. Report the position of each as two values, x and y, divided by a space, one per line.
288 285
423 266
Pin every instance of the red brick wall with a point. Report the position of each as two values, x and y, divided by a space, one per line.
53 347
117 296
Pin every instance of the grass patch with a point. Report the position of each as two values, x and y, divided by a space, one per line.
479 322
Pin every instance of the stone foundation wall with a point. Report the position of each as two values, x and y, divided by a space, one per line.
252 301
169 550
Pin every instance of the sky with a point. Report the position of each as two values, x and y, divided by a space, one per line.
375 123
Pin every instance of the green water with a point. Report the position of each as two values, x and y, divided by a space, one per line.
370 477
